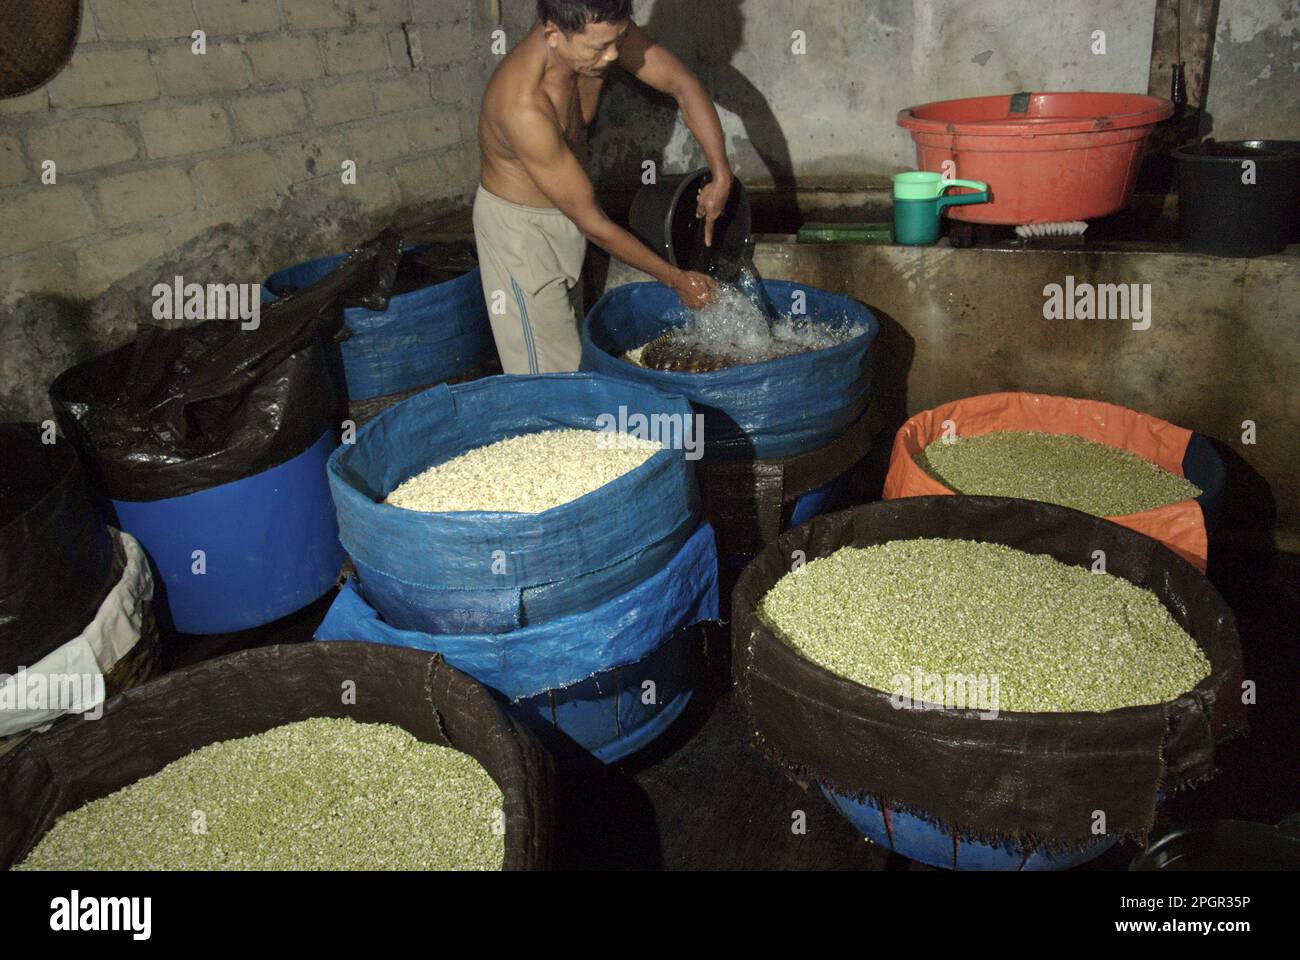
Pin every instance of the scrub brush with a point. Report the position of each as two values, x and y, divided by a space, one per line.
1068 228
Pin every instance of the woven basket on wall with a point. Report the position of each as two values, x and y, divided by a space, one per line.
37 38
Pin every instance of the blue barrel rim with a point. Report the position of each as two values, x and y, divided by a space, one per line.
329 431
821 392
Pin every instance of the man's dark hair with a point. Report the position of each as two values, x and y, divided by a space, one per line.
572 16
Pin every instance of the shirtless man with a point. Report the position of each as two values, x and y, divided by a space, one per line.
536 208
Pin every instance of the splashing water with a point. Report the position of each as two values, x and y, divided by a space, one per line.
743 325
752 287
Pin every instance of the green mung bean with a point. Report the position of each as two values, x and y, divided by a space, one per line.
322 794
1094 477
1056 637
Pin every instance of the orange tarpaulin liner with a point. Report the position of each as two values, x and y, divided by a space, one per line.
1179 526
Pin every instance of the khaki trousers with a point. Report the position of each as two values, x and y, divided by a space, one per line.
531 261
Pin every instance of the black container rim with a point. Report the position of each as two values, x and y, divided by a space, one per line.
696 179
784 545
1235 151
1272 146
687 182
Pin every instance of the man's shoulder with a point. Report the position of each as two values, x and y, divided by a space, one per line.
520 109
515 101
514 87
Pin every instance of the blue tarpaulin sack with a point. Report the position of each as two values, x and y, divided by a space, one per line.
478 572
428 335
754 411
579 673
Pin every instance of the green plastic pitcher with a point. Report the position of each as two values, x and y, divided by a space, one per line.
919 200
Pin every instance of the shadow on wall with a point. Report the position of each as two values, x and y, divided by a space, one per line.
892 356
1249 517
706 36
40 334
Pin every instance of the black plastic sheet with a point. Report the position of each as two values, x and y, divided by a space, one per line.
150 726
178 411
1035 779
434 263
57 558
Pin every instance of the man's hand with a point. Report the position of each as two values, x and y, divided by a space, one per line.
657 68
695 290
712 203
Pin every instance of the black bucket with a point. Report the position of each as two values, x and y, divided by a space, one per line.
1291 147
663 216
1223 214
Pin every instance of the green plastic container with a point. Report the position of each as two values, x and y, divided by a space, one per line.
919 200
924 185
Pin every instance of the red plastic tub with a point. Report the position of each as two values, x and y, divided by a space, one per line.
1047 157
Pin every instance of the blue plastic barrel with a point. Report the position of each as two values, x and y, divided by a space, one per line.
607 715
927 842
269 545
606 681
1203 466
814 502
479 572
427 336
755 411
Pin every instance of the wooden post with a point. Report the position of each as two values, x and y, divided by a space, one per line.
1199 21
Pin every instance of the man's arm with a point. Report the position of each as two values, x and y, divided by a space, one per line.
657 67
536 141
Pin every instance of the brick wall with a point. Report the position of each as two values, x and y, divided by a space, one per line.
222 166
